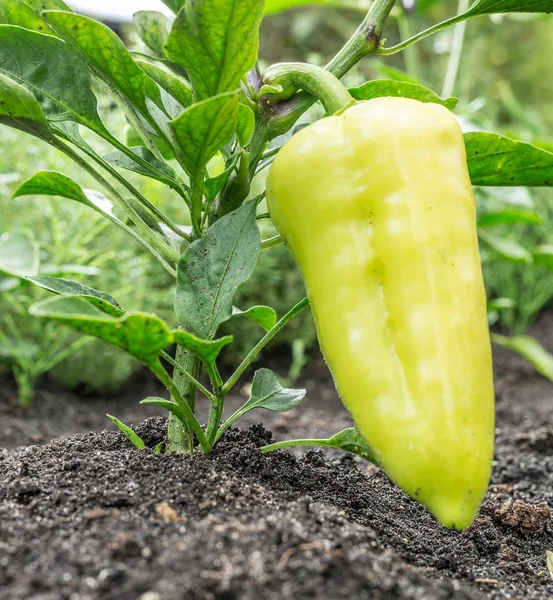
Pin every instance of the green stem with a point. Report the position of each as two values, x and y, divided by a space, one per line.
150 241
272 241
191 421
196 183
423 34
216 406
261 344
456 51
187 375
319 82
364 41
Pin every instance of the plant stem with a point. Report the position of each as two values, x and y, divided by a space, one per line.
179 399
261 344
456 50
186 374
272 241
319 82
187 363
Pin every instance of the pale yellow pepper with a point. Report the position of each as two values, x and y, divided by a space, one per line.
376 206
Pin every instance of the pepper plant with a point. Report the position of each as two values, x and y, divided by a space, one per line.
196 96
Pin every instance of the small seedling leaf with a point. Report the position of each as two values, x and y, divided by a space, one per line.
172 407
379 88
549 559
134 438
350 440
208 351
265 316
269 394
212 269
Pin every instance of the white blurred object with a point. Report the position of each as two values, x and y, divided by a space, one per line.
120 11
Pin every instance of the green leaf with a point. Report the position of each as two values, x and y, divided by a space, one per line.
51 183
55 74
19 109
174 5
497 160
269 394
105 52
506 248
17 12
384 87
140 334
264 316
213 185
543 256
19 255
246 124
216 41
204 128
39 5
136 440
488 7
530 349
158 170
212 269
174 85
350 440
500 303
275 6
208 351
510 216
67 287
153 28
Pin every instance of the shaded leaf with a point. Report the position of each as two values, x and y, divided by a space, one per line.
19 255
204 128
213 185
269 394
543 256
246 124
153 28
212 269
264 316
506 248
133 437
158 170
497 160
20 110
56 75
174 5
216 41
530 349
385 87
67 287
170 82
107 55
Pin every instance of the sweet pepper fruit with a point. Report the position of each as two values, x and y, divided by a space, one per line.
377 208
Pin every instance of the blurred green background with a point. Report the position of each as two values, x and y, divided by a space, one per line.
503 76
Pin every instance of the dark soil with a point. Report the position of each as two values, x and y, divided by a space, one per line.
88 517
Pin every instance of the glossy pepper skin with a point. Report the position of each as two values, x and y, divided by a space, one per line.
377 208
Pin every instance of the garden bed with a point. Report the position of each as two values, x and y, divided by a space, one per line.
88 517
